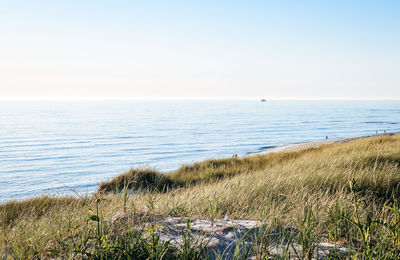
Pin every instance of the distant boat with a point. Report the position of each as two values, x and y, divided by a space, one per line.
263 100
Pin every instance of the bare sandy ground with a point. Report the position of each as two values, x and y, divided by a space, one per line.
225 237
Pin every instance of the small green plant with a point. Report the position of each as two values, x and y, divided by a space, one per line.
389 245
336 224
155 248
261 242
362 225
242 249
193 246
308 237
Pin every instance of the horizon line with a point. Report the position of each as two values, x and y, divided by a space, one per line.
190 98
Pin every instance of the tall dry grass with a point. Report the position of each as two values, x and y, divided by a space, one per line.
327 183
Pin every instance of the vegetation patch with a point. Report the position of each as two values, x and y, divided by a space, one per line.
137 179
343 195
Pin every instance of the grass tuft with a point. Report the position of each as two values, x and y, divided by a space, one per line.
137 179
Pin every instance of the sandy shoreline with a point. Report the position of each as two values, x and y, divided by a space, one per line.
313 144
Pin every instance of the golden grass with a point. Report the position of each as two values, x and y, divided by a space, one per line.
33 208
200 172
271 187
283 183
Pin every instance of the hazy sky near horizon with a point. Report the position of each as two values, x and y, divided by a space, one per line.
272 49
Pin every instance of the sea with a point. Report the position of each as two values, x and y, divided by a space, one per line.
66 146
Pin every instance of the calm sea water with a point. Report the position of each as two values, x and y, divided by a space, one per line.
51 147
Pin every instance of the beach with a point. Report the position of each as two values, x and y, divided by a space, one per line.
314 144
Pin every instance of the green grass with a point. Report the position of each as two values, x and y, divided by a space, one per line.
345 193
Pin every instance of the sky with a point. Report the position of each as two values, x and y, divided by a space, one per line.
200 49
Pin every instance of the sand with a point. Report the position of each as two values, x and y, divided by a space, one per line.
306 145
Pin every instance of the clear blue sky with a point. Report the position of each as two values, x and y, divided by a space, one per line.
272 49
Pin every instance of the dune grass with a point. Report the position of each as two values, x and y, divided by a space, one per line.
137 179
201 172
344 192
